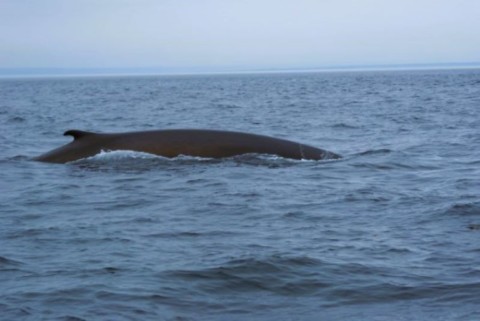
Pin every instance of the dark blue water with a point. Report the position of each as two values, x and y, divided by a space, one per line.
390 232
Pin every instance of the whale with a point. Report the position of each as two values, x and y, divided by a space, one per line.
175 142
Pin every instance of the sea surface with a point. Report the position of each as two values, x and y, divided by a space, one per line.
389 232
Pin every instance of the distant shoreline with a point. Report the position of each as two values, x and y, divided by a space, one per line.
15 73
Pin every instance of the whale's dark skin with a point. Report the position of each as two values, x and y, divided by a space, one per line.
190 142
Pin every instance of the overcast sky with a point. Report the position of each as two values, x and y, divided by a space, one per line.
236 34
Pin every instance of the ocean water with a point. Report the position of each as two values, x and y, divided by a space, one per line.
389 232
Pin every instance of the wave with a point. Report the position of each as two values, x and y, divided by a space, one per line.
286 276
127 159
191 234
119 155
339 283
16 119
132 161
343 126
464 209
6 262
380 151
129 154
438 294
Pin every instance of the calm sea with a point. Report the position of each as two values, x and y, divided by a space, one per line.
389 232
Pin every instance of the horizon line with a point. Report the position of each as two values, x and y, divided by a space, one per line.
40 72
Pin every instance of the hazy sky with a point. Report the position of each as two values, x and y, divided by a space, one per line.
236 34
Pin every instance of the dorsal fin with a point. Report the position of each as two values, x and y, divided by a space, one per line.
77 134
